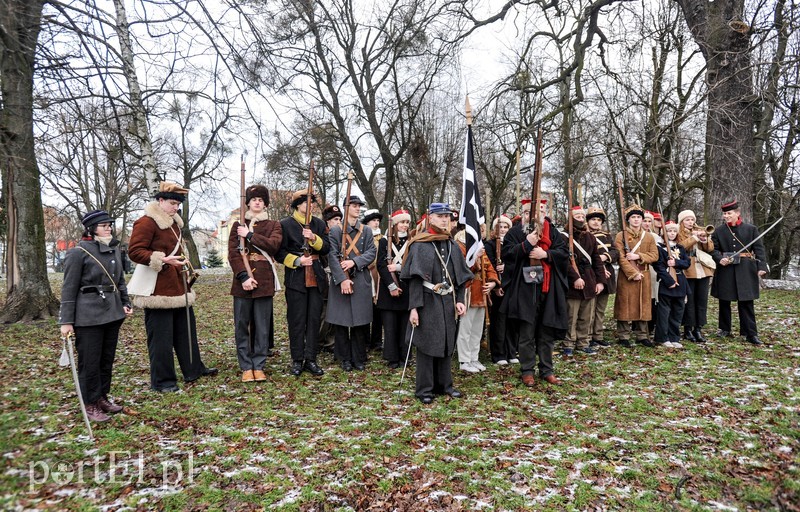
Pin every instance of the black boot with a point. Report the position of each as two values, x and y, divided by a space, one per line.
688 335
698 335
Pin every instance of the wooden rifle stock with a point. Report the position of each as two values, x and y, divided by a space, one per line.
570 228
535 190
346 221
390 245
623 224
498 243
243 250
308 270
672 273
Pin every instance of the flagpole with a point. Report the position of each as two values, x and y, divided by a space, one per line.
519 200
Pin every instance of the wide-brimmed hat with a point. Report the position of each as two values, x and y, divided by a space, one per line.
299 196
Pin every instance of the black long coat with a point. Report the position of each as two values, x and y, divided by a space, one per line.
591 271
292 244
385 299
665 280
605 245
737 282
436 333
521 299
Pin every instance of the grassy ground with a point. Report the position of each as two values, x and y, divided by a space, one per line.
711 427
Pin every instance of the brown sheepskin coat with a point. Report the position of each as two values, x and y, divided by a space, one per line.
632 302
153 238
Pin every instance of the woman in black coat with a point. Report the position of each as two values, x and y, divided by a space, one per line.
94 302
672 289
392 299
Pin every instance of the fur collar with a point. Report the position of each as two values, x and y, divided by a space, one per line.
163 221
248 215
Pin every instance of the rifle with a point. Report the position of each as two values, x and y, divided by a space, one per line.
390 247
571 235
243 250
310 277
535 189
346 222
672 273
622 218
498 243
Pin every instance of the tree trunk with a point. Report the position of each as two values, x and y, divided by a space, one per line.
725 42
29 294
139 113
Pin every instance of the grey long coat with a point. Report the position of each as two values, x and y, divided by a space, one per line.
356 309
87 308
436 333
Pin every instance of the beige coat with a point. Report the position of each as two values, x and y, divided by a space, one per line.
632 302
691 244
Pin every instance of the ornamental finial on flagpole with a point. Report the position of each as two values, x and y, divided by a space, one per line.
468 110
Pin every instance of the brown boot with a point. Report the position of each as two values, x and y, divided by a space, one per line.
96 414
108 406
259 375
247 376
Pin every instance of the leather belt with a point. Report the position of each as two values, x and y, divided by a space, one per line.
438 288
98 289
747 255
253 256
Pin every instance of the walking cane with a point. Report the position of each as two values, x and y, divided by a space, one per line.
408 354
68 343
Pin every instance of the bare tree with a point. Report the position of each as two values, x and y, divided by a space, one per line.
369 69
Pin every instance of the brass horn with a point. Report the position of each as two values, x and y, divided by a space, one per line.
709 229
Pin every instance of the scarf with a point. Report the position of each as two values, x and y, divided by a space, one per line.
544 243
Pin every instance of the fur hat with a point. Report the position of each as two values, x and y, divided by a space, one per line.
685 214
578 209
372 214
731 205
299 196
400 216
595 211
257 191
171 190
633 209
504 219
331 212
96 217
648 213
670 224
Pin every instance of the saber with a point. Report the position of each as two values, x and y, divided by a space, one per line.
756 239
69 343
408 354
185 274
